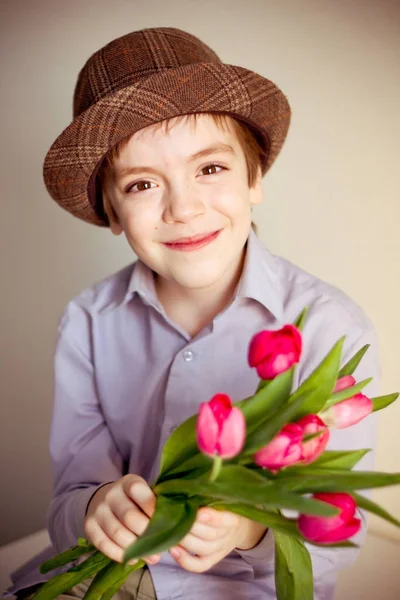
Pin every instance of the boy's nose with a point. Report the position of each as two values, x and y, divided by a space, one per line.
182 205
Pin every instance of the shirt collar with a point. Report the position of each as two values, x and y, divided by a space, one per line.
259 281
260 278
142 284
135 279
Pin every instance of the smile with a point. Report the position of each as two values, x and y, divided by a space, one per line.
192 243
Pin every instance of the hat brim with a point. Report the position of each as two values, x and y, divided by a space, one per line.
194 88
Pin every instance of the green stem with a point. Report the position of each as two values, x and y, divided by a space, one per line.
217 464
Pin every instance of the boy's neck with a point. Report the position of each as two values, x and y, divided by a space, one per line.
193 309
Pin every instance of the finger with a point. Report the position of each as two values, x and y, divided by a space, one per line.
100 539
113 528
143 496
204 532
195 564
119 534
221 519
201 547
130 516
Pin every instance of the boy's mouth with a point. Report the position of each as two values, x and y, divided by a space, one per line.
186 244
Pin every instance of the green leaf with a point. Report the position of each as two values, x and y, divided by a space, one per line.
180 446
113 589
111 577
238 484
196 465
311 436
301 319
259 407
66 557
262 435
366 504
335 480
380 402
319 385
59 584
350 367
170 522
339 459
269 519
293 569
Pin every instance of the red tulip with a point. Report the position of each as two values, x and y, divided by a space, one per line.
283 450
347 412
313 448
326 530
273 352
220 428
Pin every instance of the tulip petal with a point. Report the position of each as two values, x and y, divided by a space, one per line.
233 433
283 450
258 347
331 529
342 533
344 382
351 411
207 429
312 449
345 502
221 406
273 352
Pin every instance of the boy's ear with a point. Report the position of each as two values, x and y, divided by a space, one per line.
115 227
110 212
256 192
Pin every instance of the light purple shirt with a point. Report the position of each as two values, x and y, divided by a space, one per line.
126 375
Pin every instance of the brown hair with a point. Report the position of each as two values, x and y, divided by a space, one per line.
248 141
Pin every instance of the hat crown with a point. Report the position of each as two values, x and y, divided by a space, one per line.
133 57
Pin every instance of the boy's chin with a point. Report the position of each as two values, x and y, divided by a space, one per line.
196 280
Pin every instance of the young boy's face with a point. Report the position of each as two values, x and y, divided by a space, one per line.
185 217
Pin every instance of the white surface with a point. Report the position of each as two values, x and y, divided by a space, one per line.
14 555
375 575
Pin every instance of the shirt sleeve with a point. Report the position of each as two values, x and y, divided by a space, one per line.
83 453
326 562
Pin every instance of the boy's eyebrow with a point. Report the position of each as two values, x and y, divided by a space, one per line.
213 149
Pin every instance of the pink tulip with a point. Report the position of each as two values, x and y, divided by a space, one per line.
220 428
283 450
313 448
273 352
326 530
344 382
347 412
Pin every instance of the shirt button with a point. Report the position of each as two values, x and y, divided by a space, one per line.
188 355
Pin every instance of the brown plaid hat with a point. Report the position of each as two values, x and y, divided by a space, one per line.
141 78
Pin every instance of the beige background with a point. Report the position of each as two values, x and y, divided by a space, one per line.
332 200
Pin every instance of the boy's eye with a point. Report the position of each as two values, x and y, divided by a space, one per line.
142 186
213 166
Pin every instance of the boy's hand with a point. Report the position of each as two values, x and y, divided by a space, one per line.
117 514
213 536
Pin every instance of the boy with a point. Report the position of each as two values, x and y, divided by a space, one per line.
168 146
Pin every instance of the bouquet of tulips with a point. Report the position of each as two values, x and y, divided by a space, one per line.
256 457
